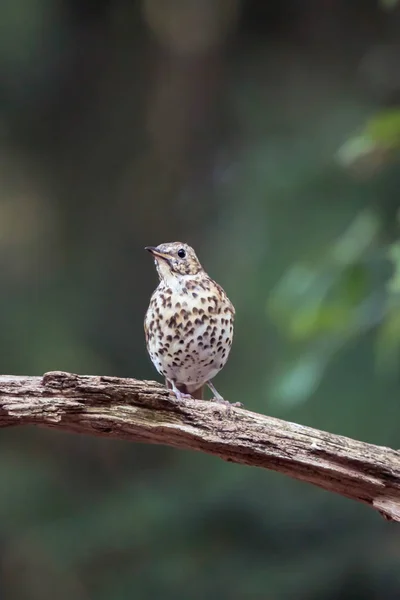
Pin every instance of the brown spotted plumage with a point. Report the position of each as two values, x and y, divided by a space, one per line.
189 322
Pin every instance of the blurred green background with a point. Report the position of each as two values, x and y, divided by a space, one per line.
266 135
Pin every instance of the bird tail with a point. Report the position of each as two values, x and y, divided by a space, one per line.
196 394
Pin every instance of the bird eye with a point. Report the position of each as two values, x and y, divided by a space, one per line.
181 253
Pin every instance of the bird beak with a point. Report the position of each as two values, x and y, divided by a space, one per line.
155 252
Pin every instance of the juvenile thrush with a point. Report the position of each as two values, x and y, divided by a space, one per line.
189 322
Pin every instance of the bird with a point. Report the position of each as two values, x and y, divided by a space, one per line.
188 324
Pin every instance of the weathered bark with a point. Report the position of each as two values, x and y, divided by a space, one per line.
145 411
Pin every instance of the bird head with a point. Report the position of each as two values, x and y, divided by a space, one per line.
175 259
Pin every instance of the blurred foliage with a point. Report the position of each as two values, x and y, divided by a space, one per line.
376 146
389 4
218 122
329 302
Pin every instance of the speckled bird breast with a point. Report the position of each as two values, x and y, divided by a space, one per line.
189 331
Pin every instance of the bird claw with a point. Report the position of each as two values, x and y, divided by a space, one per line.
181 396
178 394
227 403
221 401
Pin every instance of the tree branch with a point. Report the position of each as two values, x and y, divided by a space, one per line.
145 411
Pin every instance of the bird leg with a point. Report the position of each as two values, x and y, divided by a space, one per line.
219 398
179 395
217 395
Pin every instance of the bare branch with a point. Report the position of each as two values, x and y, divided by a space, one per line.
145 411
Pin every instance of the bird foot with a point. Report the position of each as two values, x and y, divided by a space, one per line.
178 394
181 396
221 400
